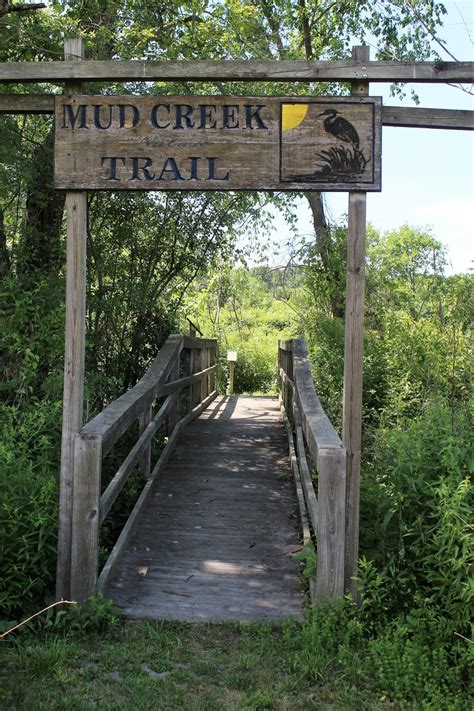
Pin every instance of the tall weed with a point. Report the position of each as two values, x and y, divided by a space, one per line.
416 508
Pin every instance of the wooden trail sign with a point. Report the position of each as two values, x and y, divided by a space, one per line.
218 143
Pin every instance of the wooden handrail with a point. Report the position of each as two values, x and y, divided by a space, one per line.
99 435
313 430
117 417
123 472
318 429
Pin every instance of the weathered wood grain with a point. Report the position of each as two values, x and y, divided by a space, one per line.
195 342
305 528
227 70
112 422
85 516
353 365
330 532
119 480
180 383
132 520
212 362
97 437
217 143
144 420
173 410
136 454
74 356
327 509
306 481
215 538
419 117
318 429
402 116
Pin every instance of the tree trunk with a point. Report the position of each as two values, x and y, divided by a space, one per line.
41 248
325 247
4 254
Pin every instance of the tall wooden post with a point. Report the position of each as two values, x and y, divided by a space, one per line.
353 357
76 211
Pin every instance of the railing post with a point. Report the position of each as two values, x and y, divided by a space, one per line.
85 516
173 411
144 420
289 372
205 378
330 533
280 366
212 361
196 387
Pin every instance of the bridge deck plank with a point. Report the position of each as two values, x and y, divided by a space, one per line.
216 539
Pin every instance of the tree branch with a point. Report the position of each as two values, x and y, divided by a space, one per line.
306 30
6 8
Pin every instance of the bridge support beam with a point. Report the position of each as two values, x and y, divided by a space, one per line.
353 358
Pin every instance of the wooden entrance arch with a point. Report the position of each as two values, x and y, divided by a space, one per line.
359 71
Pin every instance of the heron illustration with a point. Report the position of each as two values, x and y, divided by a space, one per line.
339 127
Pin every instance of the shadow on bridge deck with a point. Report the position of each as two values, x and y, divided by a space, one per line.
216 538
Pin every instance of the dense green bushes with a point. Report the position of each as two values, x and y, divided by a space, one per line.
416 510
409 640
417 542
237 306
29 451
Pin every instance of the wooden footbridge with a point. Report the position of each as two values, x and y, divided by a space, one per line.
228 502
209 536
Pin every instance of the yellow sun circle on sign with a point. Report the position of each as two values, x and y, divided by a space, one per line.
292 115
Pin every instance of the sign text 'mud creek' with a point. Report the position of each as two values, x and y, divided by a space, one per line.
217 143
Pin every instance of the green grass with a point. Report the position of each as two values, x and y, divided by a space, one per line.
325 662
161 665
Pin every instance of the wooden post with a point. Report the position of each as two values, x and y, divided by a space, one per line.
331 465
205 379
353 357
196 387
144 420
76 211
231 359
173 411
85 530
289 388
212 361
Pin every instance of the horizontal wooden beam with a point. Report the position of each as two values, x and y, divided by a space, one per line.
195 342
406 116
227 70
178 385
26 103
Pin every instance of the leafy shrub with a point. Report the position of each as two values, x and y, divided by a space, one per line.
29 451
416 507
256 369
32 331
410 659
415 659
326 352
